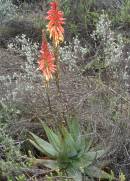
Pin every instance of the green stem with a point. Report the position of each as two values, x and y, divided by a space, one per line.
57 73
48 97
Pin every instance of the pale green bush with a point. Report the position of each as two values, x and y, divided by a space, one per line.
10 156
7 11
125 12
111 43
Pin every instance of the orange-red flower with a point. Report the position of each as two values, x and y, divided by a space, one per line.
56 21
46 60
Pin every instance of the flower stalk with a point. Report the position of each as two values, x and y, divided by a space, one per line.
49 60
57 72
47 94
56 20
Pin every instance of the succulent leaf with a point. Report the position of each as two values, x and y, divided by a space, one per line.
43 146
74 128
95 172
68 144
52 164
52 137
92 155
75 174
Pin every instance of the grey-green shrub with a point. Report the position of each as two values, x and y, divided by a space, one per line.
7 11
125 12
10 156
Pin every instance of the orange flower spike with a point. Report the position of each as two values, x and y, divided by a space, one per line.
46 60
56 21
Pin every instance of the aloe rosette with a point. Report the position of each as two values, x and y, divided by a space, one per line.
70 152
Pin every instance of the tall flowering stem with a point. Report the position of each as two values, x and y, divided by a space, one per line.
56 21
46 64
57 73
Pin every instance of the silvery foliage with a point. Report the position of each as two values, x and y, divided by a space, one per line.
27 81
112 44
73 53
113 50
19 84
109 4
126 73
7 10
24 46
11 152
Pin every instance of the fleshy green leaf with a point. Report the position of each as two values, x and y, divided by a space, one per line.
43 146
84 163
52 137
52 164
80 141
95 172
73 126
84 143
91 155
68 144
75 174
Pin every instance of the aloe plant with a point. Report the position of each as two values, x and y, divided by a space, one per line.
70 152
